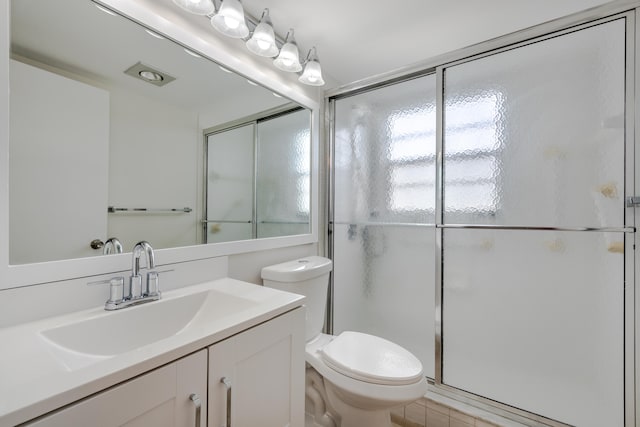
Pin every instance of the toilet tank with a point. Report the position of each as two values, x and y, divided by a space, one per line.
306 276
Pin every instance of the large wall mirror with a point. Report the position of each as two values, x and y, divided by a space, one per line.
117 131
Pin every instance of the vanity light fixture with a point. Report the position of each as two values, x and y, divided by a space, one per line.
312 74
199 7
230 20
289 58
224 69
263 40
252 83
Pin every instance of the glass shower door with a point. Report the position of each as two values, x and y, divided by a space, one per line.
533 226
230 182
384 216
283 170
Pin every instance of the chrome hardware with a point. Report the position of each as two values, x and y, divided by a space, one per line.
633 201
153 288
538 228
112 245
208 221
198 405
96 244
113 209
116 292
135 281
227 384
121 297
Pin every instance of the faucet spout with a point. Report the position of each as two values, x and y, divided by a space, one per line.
112 245
138 249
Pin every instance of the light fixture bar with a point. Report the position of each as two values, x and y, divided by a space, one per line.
233 21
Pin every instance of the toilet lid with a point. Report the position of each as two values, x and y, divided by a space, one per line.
371 359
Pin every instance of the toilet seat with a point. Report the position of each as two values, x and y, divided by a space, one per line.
369 391
371 359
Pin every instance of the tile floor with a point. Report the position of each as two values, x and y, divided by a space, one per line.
427 413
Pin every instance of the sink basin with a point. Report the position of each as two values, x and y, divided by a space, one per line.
52 362
111 333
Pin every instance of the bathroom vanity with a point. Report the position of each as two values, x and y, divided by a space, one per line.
202 355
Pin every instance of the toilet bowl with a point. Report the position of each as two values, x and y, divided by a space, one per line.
353 379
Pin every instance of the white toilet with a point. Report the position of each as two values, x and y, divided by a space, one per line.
353 379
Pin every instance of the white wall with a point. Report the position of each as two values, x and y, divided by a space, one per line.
59 131
153 155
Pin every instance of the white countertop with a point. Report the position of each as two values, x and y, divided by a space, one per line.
38 376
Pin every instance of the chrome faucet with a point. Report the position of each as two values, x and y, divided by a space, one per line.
135 281
121 296
112 245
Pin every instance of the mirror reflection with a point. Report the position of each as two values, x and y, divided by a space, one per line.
258 179
118 132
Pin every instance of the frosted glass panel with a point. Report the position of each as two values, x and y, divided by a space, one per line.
228 232
535 135
384 233
534 319
384 285
230 184
283 178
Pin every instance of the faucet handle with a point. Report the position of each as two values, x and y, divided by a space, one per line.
116 290
153 284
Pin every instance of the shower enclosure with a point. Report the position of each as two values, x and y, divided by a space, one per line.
257 178
478 219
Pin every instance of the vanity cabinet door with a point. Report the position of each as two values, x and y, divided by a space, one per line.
257 376
159 398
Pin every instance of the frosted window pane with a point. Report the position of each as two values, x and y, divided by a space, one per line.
551 116
381 137
283 177
534 319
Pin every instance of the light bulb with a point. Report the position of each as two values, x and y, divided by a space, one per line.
264 45
231 22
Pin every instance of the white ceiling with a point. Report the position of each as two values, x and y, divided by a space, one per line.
99 47
356 39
